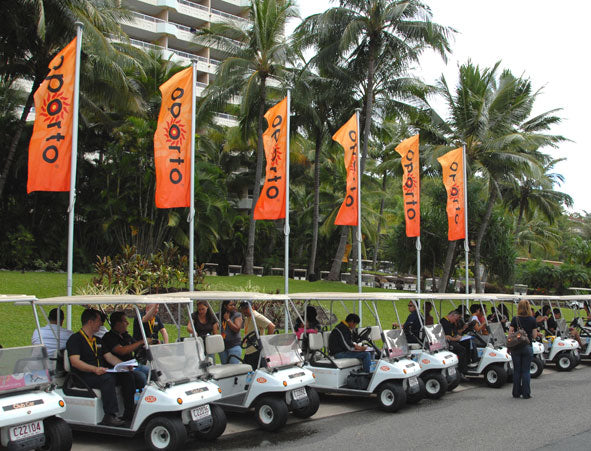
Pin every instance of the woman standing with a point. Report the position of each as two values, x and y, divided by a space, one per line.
523 355
231 325
204 321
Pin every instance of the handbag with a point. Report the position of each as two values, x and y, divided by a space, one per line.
517 338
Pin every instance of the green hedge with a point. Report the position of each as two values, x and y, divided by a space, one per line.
545 278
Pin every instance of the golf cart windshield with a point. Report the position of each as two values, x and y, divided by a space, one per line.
23 368
497 334
435 337
562 327
176 361
280 350
395 345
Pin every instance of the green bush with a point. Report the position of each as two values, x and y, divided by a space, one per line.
545 278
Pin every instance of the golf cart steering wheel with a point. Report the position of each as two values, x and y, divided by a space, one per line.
364 334
249 340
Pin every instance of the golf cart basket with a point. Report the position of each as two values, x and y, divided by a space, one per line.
395 345
23 368
435 337
281 350
175 362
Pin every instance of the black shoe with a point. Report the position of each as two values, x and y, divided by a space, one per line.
528 396
516 396
112 420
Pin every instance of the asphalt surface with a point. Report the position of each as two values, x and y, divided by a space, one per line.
472 417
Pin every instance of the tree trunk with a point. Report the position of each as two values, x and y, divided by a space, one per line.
489 208
335 269
17 135
377 244
249 261
521 211
449 258
314 245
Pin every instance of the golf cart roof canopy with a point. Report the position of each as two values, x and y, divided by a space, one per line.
227 296
17 298
382 296
112 299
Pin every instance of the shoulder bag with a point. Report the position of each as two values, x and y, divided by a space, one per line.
518 337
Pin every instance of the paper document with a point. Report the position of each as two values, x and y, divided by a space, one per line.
466 337
123 366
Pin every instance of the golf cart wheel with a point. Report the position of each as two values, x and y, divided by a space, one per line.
165 434
455 382
536 367
311 408
495 376
58 435
218 426
391 397
413 398
271 413
565 362
435 385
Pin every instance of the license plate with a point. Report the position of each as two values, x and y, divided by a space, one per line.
26 430
201 412
299 393
413 381
451 371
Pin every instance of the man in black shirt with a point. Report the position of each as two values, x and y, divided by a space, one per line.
453 337
88 363
341 346
412 325
152 325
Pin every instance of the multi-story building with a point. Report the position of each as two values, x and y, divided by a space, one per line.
169 26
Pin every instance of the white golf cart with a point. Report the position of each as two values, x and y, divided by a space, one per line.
30 403
439 366
394 378
578 303
176 400
279 385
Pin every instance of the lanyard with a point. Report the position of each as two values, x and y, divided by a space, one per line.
92 344
151 325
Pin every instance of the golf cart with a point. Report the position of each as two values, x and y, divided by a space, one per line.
439 366
394 378
30 403
176 400
576 304
279 385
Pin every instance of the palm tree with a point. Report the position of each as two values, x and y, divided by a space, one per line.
256 55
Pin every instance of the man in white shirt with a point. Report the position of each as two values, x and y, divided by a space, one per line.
50 333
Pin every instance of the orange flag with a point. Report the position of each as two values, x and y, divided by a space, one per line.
411 184
172 142
348 137
452 164
50 148
271 202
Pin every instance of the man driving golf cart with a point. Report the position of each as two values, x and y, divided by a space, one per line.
341 345
453 335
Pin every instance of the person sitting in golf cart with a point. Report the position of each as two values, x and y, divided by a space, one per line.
204 321
312 323
152 325
89 365
412 325
341 346
252 355
453 335
50 332
478 319
500 314
543 315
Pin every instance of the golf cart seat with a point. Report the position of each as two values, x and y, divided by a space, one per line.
316 342
74 385
214 344
414 346
325 336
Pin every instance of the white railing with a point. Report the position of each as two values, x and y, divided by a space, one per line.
229 16
148 18
194 5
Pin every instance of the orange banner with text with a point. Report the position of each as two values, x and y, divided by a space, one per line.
172 142
271 201
348 137
411 184
452 164
50 148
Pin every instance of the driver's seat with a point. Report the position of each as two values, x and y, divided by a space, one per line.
214 344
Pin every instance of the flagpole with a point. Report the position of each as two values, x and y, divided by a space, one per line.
418 246
359 275
286 225
192 189
74 161
466 245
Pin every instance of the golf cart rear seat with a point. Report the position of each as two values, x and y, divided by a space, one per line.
316 342
214 344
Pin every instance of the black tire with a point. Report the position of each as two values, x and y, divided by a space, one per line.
435 385
536 368
311 408
495 376
58 435
217 428
565 362
271 413
453 384
414 398
391 397
165 434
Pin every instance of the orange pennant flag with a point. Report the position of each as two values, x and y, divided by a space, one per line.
452 164
50 148
411 184
348 137
271 202
172 142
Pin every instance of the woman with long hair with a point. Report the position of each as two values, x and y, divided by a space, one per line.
204 321
522 356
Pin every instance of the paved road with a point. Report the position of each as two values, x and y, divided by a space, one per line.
474 417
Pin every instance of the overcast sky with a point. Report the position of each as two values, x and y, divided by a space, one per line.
545 40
